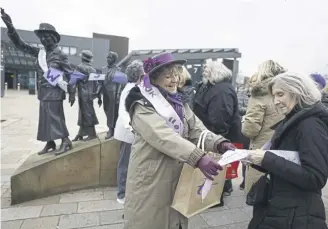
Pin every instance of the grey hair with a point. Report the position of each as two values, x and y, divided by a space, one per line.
218 72
301 88
134 71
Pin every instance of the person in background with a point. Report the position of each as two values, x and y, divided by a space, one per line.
186 89
166 134
293 194
320 81
123 130
216 105
260 115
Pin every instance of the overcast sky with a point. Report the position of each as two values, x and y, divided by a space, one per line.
292 32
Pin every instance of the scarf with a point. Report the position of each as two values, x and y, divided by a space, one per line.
175 100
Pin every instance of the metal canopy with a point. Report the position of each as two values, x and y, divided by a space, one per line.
193 56
15 58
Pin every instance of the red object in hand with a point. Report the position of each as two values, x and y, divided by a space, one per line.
232 168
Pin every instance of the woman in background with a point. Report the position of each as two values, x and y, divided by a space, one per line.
261 114
123 130
186 88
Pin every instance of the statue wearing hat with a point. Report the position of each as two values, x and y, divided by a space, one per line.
52 124
86 90
111 92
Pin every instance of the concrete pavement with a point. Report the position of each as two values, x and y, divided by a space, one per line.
88 209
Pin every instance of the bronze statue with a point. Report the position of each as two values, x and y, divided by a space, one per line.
86 90
52 124
111 92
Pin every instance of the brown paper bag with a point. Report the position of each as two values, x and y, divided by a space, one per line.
188 200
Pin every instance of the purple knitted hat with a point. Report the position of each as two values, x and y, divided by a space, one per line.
319 79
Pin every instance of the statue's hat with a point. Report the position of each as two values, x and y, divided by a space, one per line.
86 55
46 27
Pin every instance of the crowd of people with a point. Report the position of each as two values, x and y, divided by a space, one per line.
162 114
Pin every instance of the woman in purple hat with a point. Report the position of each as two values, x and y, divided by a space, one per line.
321 83
166 131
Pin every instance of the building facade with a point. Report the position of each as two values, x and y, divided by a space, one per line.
18 68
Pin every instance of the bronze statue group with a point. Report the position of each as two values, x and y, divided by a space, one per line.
56 77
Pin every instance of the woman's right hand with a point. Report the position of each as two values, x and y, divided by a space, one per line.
208 166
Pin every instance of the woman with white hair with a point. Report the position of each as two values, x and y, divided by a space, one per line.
123 129
292 192
216 105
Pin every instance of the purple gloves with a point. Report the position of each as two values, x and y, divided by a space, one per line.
224 146
208 166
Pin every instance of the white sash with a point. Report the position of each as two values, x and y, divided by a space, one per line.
162 107
53 76
96 77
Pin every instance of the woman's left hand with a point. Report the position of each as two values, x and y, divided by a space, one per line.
224 146
256 156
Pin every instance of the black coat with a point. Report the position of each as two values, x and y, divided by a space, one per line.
217 107
295 201
188 94
324 99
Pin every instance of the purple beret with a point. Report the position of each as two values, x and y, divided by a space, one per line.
319 79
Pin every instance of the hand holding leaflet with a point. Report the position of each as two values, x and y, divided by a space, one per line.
227 158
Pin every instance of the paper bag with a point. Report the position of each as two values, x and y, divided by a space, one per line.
187 199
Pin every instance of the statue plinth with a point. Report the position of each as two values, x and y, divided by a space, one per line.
89 164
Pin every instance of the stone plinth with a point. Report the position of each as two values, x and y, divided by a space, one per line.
88 164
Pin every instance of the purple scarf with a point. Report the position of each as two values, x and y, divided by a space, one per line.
176 101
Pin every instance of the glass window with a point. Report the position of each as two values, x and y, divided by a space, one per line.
72 51
60 47
65 50
40 45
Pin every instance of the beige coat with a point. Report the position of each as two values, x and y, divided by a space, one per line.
259 117
156 161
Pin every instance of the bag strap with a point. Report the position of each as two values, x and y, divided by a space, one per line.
202 138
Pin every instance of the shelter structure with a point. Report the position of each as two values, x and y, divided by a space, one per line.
196 57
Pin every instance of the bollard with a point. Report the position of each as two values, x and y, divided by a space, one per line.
18 87
6 86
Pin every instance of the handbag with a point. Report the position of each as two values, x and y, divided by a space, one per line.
259 192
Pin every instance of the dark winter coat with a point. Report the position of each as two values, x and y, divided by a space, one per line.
188 93
217 107
324 99
295 201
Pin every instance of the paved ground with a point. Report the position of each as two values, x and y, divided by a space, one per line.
88 209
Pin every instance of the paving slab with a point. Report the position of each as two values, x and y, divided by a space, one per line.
112 226
111 217
16 224
59 209
81 196
79 220
226 217
41 223
20 213
99 205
